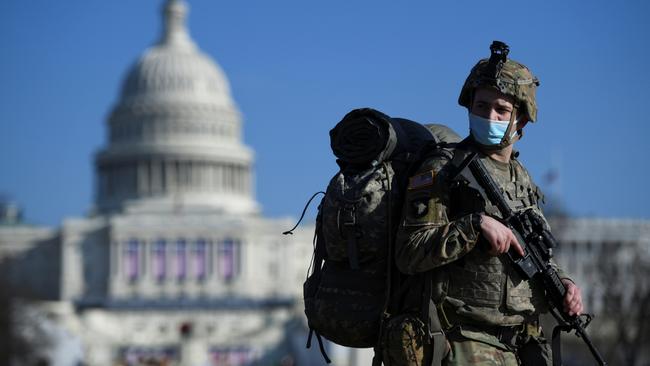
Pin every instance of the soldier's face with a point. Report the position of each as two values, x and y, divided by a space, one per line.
491 104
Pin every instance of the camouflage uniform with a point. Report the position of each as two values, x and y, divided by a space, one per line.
489 311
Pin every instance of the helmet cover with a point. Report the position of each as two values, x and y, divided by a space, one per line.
506 76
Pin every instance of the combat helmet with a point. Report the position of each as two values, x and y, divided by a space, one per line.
508 77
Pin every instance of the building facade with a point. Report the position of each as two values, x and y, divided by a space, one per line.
175 263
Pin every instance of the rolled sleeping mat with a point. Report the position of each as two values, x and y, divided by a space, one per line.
364 137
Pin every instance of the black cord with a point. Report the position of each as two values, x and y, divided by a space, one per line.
290 232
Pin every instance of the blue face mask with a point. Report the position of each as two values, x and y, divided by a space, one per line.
486 131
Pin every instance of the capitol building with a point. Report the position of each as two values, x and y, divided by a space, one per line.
175 265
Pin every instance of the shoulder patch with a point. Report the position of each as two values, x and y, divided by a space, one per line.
422 180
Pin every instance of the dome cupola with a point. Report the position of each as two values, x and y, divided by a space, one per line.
175 133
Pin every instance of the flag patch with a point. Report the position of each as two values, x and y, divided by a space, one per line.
422 180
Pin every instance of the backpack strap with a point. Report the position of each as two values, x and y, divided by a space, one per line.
348 226
385 314
432 322
320 344
556 344
314 278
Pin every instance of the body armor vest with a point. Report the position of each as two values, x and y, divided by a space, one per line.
480 288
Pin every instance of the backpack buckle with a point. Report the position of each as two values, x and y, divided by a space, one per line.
346 221
346 217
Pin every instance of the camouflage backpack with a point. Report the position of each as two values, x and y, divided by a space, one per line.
348 291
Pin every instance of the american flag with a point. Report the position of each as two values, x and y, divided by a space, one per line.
181 260
132 259
159 260
232 357
228 259
199 259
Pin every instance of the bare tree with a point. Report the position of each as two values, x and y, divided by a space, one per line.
623 271
22 340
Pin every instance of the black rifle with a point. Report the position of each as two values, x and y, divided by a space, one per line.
538 243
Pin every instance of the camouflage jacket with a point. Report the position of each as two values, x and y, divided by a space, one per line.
436 233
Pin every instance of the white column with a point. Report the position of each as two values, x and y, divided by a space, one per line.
143 178
169 251
146 130
210 176
113 260
188 174
203 175
242 180
181 175
119 181
146 265
132 172
156 183
218 177
226 177
228 184
170 177
249 180
196 175
207 176
119 256
233 177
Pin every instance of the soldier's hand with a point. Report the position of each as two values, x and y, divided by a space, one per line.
499 236
572 298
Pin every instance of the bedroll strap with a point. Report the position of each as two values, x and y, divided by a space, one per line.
320 344
311 332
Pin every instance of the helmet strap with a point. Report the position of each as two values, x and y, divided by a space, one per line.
508 139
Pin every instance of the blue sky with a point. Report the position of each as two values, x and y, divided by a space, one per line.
296 67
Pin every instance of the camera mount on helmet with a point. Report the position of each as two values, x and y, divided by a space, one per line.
498 57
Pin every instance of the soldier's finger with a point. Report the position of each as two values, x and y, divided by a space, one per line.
516 245
567 300
493 249
570 291
573 307
505 244
501 244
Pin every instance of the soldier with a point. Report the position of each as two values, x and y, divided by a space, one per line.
490 313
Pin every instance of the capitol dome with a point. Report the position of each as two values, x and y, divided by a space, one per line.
175 133
175 69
